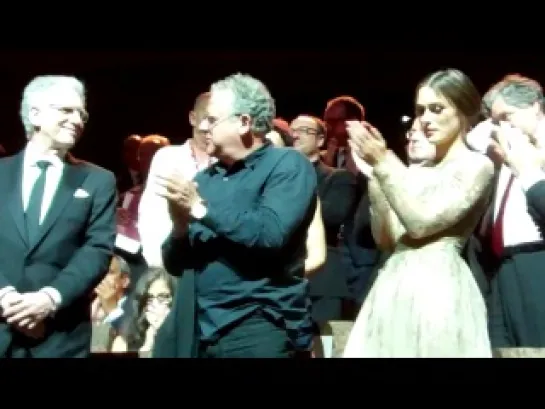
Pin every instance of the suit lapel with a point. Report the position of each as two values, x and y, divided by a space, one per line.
15 198
72 178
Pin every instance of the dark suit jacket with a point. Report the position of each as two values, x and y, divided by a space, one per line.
338 193
535 197
71 255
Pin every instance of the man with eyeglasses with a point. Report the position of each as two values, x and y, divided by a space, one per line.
58 227
337 191
238 242
357 245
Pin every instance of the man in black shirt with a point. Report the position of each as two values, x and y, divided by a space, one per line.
238 242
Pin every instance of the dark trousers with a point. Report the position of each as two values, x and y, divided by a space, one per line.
326 309
257 336
517 302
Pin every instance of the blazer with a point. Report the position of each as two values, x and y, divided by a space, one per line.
72 254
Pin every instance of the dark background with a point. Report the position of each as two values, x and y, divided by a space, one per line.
146 92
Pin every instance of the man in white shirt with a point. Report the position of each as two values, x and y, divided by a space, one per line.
154 223
58 227
513 231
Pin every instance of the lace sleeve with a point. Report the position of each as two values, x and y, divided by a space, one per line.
380 214
441 204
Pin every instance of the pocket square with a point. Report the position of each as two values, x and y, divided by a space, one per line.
81 194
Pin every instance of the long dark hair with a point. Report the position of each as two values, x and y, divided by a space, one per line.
459 90
137 325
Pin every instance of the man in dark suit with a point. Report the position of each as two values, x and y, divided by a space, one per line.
512 230
338 193
58 228
357 247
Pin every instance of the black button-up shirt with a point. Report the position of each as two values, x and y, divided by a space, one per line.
248 252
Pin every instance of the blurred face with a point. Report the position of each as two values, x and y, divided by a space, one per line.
223 130
130 152
419 148
335 119
306 137
59 116
158 302
195 118
115 278
525 119
438 117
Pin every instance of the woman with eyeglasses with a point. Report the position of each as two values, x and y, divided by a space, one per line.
151 303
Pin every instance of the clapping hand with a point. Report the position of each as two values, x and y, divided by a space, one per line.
366 142
180 193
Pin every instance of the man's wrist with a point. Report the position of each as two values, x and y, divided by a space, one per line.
198 210
53 295
6 290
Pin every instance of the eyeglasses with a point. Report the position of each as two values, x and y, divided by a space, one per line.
68 111
163 298
212 121
305 130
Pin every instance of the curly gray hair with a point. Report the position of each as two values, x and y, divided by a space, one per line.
251 97
41 85
516 90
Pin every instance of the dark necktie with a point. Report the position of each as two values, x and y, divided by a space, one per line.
497 230
34 207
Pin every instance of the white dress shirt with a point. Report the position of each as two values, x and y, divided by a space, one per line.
518 226
31 172
154 223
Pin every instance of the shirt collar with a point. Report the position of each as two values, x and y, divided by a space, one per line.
33 155
248 162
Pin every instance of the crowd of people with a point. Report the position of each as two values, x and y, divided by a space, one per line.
249 238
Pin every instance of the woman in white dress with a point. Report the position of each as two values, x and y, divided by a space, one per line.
425 301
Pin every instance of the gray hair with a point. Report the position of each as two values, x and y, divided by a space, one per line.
124 267
516 90
488 100
40 86
251 97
